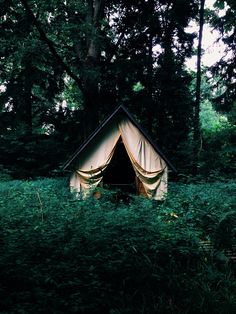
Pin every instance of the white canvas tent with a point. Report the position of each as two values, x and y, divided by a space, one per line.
93 157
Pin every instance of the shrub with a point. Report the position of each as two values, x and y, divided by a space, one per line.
61 255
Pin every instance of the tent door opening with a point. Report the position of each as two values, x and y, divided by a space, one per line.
120 173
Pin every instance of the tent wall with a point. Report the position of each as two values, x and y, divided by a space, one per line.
149 167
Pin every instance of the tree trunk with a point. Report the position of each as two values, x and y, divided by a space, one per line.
24 107
27 112
92 67
196 122
150 71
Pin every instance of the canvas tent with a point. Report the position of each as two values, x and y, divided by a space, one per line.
150 166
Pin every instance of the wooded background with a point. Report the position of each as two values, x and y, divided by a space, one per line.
65 65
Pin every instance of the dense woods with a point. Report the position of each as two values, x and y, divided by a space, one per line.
66 64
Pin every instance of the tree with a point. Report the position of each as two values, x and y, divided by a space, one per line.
170 18
31 79
225 68
106 48
196 133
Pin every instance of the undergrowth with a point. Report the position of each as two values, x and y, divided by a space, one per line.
62 255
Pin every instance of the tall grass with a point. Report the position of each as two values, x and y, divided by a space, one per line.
61 255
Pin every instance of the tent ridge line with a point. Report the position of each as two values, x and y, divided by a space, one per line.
89 139
104 122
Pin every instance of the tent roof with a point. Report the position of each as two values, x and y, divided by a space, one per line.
103 124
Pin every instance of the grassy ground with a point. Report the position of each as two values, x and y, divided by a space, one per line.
61 255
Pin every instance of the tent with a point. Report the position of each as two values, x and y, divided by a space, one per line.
142 163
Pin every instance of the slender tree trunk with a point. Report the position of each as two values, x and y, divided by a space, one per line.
27 113
92 67
24 107
197 131
167 57
150 71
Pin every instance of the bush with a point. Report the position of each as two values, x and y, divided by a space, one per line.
61 255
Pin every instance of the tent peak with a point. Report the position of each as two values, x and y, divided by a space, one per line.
117 110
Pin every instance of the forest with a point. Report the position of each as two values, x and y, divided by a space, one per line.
64 67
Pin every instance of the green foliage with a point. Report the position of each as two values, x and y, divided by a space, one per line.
138 87
218 132
32 156
218 138
212 122
122 52
33 81
72 96
225 23
111 50
61 255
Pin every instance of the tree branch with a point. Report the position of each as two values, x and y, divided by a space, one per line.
115 47
52 49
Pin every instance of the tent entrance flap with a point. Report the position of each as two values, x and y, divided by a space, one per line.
120 173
